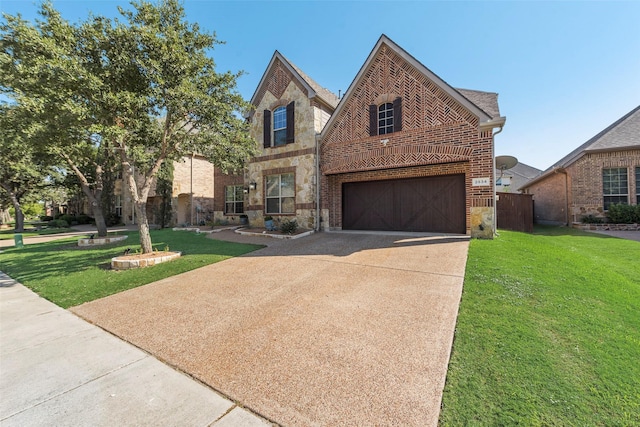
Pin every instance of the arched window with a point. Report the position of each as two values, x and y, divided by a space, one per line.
279 126
385 118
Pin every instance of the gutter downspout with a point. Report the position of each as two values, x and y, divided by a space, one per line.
317 225
493 160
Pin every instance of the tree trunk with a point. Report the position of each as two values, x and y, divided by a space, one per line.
143 227
15 201
96 207
19 228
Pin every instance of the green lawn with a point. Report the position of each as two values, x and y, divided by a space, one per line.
9 233
548 332
68 275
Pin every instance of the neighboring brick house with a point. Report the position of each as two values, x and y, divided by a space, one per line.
406 151
290 111
602 171
192 194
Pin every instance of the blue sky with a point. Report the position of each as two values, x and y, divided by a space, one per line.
564 70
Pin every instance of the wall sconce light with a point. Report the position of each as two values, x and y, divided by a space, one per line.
252 185
245 190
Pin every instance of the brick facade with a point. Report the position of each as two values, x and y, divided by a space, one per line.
439 136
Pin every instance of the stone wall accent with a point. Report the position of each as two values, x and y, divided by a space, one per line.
298 157
606 227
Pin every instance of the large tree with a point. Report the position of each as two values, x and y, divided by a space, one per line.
144 88
22 171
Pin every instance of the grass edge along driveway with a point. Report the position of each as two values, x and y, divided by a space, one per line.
68 275
548 332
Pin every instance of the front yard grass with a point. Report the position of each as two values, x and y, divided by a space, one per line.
10 233
548 332
68 275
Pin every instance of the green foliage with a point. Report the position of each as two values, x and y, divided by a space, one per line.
289 226
67 275
624 214
547 332
58 223
32 210
591 219
143 89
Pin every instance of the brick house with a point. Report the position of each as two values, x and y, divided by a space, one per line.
602 171
192 194
402 150
406 151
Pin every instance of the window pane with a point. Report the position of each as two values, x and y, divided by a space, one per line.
280 118
288 205
228 208
239 192
273 185
273 206
280 137
228 193
287 185
239 207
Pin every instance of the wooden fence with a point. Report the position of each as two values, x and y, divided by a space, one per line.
515 212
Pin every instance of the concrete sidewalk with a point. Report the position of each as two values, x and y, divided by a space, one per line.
56 369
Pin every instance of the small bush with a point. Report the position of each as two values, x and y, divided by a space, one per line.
590 219
58 223
112 219
289 226
45 218
623 214
83 219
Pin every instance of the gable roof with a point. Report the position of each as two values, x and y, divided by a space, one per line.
623 134
487 119
487 101
313 89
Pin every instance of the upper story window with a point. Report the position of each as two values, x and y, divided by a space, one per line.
385 118
615 186
279 126
278 129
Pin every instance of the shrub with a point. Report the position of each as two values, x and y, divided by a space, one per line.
112 219
289 226
45 218
590 219
83 219
623 214
58 223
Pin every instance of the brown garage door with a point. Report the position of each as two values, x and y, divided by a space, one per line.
435 204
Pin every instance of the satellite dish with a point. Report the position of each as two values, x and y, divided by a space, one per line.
505 162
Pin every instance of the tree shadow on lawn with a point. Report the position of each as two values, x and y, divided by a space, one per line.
65 257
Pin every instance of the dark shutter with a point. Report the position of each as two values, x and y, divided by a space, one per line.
397 114
290 122
267 129
373 120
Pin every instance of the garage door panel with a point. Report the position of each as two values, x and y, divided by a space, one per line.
417 204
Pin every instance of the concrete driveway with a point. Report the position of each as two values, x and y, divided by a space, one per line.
332 329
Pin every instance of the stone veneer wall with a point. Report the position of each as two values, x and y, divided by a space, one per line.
299 157
439 137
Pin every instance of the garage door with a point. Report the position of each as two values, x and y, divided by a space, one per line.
433 204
